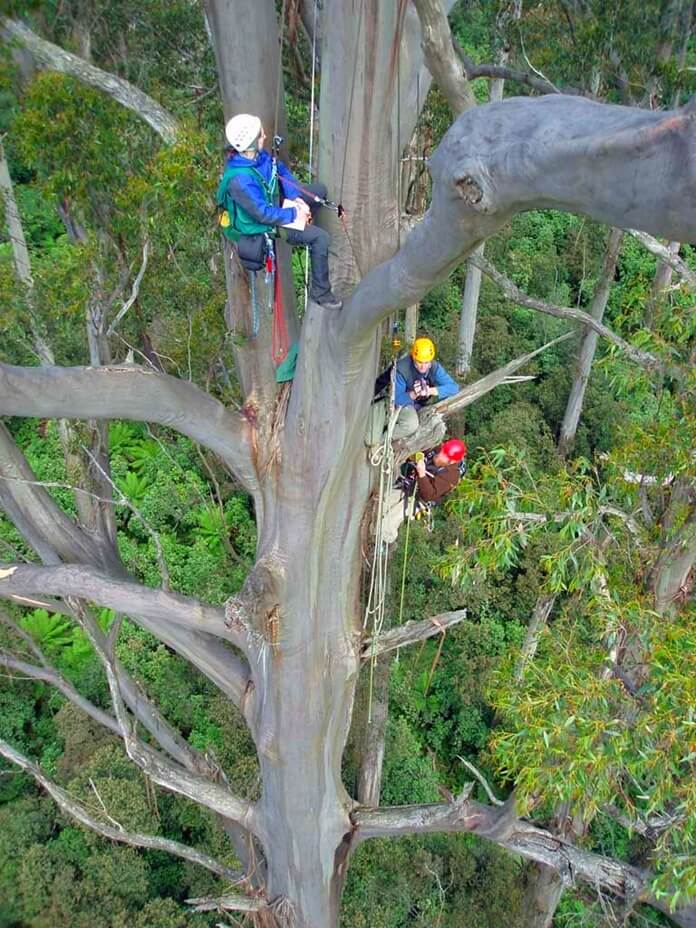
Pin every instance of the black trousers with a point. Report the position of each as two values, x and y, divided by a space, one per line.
318 241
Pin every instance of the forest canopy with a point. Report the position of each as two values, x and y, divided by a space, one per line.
223 698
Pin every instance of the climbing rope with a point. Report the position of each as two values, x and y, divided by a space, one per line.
310 164
255 320
375 609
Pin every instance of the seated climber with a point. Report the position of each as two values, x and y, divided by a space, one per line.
419 378
424 482
250 192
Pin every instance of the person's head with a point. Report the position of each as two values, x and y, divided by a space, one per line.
245 134
422 354
450 452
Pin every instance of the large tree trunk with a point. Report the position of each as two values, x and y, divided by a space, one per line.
309 554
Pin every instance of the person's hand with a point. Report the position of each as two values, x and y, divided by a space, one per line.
303 209
433 391
420 467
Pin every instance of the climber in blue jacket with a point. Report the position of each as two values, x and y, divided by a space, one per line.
252 192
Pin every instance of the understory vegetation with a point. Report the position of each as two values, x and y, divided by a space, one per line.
525 522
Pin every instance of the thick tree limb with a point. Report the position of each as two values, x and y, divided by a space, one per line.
667 256
619 165
440 56
77 811
205 651
410 632
119 595
513 292
230 902
133 393
57 59
502 826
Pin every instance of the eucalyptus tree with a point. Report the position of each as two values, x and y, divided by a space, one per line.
287 650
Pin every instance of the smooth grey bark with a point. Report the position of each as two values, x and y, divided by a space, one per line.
57 59
120 595
372 77
129 392
410 632
469 313
310 483
557 152
660 285
472 285
374 719
537 623
441 57
39 519
667 253
588 346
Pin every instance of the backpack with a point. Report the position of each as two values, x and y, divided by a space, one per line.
233 220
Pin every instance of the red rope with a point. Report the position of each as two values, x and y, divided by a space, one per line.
280 344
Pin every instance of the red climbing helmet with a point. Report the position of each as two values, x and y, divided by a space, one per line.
455 449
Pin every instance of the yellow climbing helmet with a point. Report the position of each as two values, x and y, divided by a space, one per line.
423 350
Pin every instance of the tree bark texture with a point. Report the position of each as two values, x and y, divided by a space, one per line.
299 451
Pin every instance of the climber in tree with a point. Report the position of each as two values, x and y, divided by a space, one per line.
250 191
425 481
419 379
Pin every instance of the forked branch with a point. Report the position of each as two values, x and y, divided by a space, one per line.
77 811
513 292
57 59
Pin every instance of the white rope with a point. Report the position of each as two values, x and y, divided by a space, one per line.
311 144
375 609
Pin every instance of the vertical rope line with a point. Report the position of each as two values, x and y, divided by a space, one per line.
352 95
280 67
310 164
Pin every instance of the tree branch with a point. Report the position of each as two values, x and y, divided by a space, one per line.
134 291
40 520
410 632
57 59
500 377
440 56
159 769
206 652
133 393
53 678
77 811
230 902
513 292
669 257
119 595
552 152
503 827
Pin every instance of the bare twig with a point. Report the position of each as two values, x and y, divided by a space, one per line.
482 780
77 811
513 292
135 290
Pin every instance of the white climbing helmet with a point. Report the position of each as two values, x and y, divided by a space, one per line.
242 131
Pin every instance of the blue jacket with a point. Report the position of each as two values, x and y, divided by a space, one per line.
406 376
246 190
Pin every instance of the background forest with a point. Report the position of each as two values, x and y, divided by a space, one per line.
563 541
